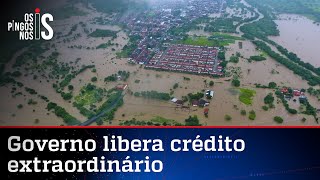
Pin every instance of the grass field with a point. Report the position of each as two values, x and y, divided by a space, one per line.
246 96
89 95
217 39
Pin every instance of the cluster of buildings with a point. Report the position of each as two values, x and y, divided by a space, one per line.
290 93
153 25
187 58
195 103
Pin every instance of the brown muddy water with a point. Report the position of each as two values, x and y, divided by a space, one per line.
225 102
299 35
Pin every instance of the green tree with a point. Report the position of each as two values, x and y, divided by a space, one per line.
175 86
266 108
94 79
235 83
192 121
66 96
272 85
70 87
227 117
211 83
243 112
278 119
252 115
100 122
269 99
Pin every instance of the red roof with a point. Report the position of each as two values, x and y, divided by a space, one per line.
206 110
284 90
297 93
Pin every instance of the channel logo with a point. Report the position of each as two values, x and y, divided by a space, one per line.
31 27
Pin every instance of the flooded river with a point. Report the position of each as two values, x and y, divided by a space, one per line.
299 35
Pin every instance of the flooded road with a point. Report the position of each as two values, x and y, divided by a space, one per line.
299 35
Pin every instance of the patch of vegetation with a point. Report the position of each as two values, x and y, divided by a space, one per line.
62 113
115 100
285 103
157 121
222 24
243 112
227 118
84 111
175 86
272 85
89 94
278 119
307 75
33 52
261 29
163 121
216 40
70 87
129 48
153 95
265 108
19 106
257 58
66 81
293 57
246 96
192 121
186 79
310 110
252 115
104 45
234 59
31 91
309 8
103 33
32 102
235 82
66 96
123 75
195 96
269 99
111 78
94 79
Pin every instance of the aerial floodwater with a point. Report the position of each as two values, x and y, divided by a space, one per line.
299 35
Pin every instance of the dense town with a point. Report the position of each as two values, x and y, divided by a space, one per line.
187 58
154 29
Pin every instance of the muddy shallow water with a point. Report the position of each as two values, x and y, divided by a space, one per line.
299 35
225 102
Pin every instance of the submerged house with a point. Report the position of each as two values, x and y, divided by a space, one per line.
203 103
195 103
179 102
